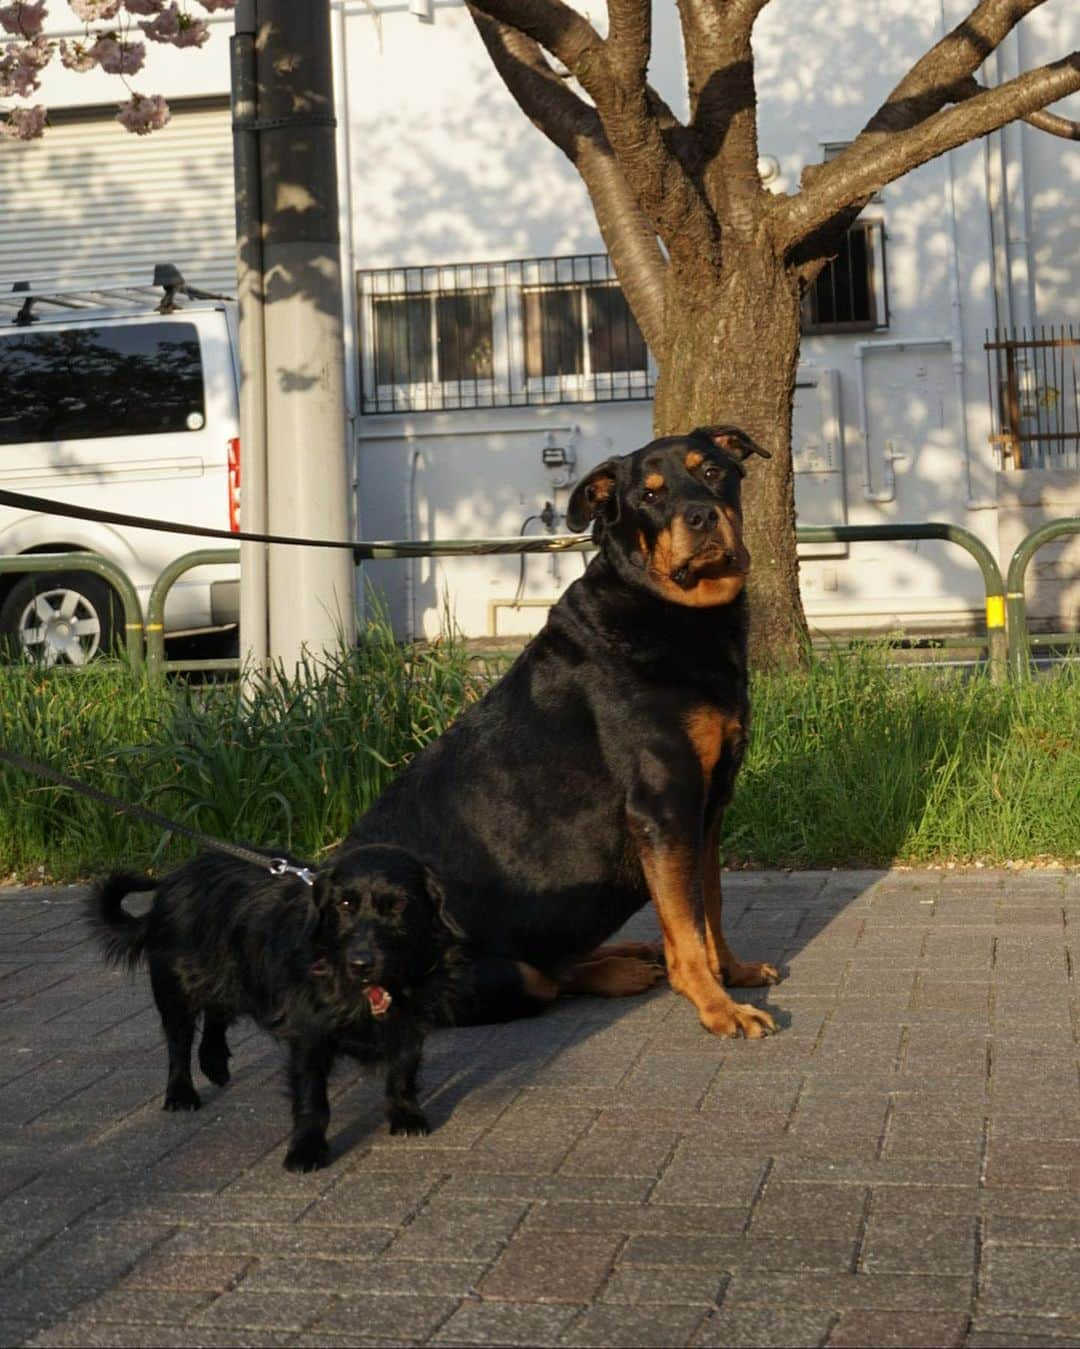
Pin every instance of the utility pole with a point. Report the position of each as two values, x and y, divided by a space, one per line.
294 451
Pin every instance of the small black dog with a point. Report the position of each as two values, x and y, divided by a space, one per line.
361 962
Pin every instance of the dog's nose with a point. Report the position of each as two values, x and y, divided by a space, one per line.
361 963
702 518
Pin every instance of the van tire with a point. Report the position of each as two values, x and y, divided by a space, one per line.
60 618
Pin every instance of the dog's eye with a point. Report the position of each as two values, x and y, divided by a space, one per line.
711 472
649 496
347 904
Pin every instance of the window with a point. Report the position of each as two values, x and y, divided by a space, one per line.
850 294
581 330
428 338
498 335
133 379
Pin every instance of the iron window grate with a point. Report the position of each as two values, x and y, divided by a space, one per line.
498 334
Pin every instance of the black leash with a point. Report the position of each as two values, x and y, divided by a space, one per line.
277 866
361 549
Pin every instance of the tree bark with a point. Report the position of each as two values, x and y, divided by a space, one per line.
731 353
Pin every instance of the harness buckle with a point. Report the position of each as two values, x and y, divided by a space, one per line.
281 866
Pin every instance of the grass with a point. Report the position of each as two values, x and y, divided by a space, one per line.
853 763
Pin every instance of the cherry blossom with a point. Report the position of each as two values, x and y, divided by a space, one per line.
25 52
118 58
23 18
24 124
143 114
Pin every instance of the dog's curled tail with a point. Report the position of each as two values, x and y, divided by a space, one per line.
122 935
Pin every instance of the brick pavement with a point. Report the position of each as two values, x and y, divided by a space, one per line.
900 1166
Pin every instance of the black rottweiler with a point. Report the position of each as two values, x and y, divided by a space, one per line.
595 774
361 962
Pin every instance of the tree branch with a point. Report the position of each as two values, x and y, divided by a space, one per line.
575 127
629 112
934 79
869 163
1050 122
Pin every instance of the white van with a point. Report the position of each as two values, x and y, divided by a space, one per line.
122 398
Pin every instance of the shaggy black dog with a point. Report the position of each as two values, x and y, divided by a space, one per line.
361 962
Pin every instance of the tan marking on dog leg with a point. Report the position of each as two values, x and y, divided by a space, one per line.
641 950
723 963
613 976
669 873
537 985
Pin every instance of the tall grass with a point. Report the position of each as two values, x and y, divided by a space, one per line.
853 762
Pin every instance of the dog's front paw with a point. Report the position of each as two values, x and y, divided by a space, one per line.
215 1065
181 1096
408 1119
732 1019
311 1152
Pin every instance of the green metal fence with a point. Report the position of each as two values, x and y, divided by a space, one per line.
1007 647
1016 605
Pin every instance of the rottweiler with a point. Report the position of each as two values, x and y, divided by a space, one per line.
594 776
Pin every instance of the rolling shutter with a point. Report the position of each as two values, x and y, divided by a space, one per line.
92 199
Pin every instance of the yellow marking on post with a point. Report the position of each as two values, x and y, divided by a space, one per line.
995 611
150 627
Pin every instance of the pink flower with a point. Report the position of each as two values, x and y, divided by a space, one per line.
143 114
144 6
19 67
23 18
74 56
24 124
90 10
118 58
173 25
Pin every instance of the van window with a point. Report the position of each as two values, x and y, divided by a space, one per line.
133 379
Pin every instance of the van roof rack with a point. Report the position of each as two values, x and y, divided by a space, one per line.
88 293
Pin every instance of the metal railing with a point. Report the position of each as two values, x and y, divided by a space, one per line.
1016 604
1007 646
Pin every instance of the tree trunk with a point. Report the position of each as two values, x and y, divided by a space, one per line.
746 313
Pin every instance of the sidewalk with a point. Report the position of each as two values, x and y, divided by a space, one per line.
899 1166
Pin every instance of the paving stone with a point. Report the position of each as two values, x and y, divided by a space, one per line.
839 1292
918 1244
505 1323
540 1267
681 1285
643 1327
1043 1280
896 1330
765 1328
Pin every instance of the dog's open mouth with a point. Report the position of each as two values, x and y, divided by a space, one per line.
378 999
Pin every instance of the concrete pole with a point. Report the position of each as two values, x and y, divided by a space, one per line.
311 591
254 619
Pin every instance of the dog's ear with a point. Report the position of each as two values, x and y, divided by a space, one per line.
437 895
594 495
731 440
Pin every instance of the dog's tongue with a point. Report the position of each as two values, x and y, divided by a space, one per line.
378 998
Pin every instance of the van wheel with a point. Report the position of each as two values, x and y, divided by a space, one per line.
60 618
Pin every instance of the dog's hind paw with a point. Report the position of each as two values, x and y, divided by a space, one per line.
750 974
182 1096
410 1120
310 1153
